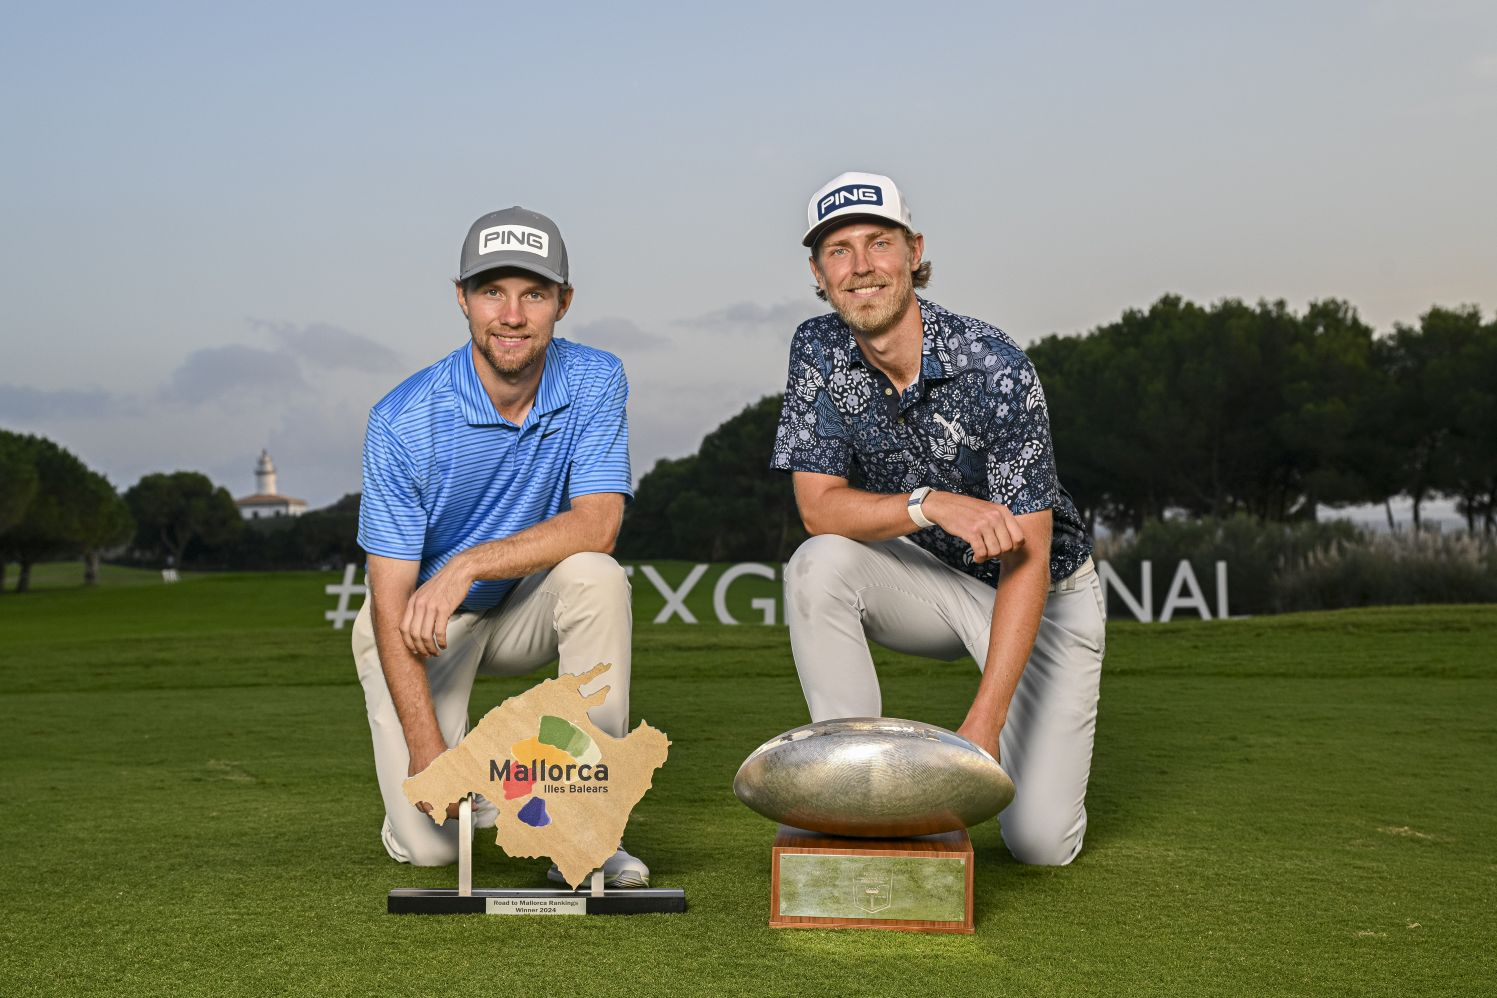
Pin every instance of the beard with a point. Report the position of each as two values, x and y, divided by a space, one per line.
512 362
873 317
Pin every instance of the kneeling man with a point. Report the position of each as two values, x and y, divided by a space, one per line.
494 486
958 537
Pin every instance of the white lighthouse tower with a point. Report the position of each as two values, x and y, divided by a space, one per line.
267 501
265 475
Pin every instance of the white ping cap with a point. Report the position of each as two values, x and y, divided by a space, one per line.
855 195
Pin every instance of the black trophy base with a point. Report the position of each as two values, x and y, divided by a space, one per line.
539 901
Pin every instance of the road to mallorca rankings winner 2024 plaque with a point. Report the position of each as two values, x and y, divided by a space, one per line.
564 790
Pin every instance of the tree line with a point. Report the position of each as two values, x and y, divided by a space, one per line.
53 506
1234 408
1212 411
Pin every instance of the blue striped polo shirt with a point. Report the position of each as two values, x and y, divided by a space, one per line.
443 471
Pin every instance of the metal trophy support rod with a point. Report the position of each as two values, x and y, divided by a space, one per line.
595 899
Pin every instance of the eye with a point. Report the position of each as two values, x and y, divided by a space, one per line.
491 292
881 244
535 296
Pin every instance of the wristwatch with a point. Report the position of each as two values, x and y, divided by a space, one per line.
916 513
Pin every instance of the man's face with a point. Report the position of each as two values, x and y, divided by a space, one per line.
865 269
511 315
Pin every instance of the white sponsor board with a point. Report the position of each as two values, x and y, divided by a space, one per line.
1184 595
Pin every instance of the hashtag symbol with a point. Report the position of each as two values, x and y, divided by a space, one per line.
343 592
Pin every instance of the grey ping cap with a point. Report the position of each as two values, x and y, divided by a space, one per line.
515 237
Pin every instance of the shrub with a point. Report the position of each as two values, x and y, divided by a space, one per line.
1390 569
1255 551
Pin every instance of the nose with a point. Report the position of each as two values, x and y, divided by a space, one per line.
862 262
510 313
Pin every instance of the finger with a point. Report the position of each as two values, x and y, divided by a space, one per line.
979 544
418 642
441 635
407 634
1015 528
1003 541
428 625
994 538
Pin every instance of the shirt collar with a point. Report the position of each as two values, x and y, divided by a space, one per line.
479 410
935 359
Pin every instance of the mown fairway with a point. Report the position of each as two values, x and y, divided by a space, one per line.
1295 805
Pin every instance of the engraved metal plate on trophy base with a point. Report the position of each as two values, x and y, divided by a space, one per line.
918 884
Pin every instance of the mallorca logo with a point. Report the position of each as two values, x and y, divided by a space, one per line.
562 758
851 194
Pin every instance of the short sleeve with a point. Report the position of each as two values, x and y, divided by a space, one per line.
392 521
812 434
600 462
1021 462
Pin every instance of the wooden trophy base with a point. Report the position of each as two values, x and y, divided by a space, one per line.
920 884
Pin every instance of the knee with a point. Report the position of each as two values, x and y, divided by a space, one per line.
591 573
817 570
1042 842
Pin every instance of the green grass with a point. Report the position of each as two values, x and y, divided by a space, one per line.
69 575
1292 805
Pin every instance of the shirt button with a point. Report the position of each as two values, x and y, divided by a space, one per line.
901 420
888 391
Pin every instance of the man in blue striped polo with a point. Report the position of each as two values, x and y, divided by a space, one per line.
494 486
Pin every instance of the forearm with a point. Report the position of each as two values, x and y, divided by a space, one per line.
1018 607
544 545
405 672
1017 610
862 516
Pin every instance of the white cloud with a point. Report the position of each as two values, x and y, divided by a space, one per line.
332 347
748 317
209 374
616 334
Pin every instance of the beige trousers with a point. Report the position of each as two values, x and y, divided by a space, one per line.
839 593
578 610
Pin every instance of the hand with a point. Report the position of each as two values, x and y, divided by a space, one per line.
983 734
420 759
988 527
424 627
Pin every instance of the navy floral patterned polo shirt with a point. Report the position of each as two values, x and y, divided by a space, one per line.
974 422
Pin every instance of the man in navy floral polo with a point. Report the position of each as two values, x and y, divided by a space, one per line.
919 443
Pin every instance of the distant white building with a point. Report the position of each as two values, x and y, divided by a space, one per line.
267 501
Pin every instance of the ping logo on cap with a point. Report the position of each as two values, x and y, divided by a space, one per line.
513 237
851 194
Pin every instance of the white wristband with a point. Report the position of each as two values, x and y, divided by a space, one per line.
913 507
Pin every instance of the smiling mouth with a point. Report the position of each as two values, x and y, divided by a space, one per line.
866 292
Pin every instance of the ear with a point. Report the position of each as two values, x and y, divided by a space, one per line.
462 298
563 302
816 274
917 249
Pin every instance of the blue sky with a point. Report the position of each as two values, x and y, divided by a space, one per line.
227 230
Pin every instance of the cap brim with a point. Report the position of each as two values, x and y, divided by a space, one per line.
533 268
815 231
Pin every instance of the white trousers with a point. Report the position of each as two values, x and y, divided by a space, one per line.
839 593
578 610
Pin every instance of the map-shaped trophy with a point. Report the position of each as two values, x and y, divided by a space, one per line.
873 815
564 790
